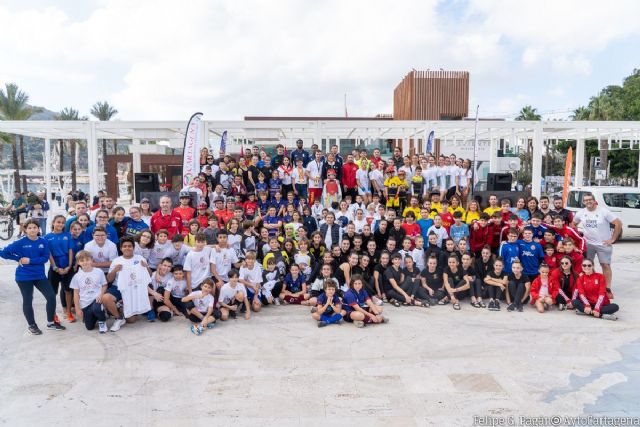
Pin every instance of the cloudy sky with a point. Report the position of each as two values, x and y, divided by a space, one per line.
159 60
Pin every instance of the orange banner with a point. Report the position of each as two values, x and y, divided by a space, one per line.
567 176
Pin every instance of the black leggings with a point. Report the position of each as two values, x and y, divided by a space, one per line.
516 291
476 288
604 309
26 289
56 280
460 295
494 292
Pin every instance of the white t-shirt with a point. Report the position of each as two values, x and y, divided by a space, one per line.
157 253
464 176
178 288
253 276
89 284
363 179
157 281
408 170
108 252
223 259
596 224
315 174
177 256
144 252
440 232
202 303
359 224
453 171
198 264
377 176
132 282
228 294
430 177
442 177
299 177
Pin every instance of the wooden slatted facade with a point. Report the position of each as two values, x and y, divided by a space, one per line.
432 95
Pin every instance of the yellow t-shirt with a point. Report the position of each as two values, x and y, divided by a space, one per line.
490 211
437 206
458 209
471 216
416 212
394 186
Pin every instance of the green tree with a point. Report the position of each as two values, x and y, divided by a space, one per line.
527 113
69 113
14 106
104 112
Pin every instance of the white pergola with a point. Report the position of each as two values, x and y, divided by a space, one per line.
624 134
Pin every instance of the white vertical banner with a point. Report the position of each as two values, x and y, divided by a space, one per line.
191 152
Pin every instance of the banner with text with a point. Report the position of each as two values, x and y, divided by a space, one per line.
191 152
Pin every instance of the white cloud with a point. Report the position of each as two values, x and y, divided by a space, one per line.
166 59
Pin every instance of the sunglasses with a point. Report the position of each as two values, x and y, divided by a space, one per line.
565 263
587 265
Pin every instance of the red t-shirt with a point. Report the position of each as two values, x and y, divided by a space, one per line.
171 222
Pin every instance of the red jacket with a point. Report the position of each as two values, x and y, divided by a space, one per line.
568 294
552 261
349 171
567 231
171 222
592 290
495 234
537 284
479 237
576 260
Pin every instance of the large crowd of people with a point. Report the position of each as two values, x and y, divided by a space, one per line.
344 235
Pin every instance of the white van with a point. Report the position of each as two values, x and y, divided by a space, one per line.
622 201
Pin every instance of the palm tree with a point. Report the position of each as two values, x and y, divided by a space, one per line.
14 106
69 113
102 111
528 113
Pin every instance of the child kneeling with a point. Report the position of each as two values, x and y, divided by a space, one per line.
200 311
544 290
89 288
329 306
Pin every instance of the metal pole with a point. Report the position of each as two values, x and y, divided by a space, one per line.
475 153
47 168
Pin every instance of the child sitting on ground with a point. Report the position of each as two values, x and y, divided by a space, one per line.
329 307
200 311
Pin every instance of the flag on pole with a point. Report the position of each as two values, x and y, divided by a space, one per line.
430 142
474 165
241 151
223 143
567 176
191 151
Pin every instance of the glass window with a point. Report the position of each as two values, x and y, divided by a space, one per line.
622 200
574 199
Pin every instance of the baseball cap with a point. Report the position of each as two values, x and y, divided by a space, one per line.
145 200
202 205
184 194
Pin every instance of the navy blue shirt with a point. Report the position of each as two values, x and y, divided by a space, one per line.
60 244
352 298
36 250
322 300
135 227
294 285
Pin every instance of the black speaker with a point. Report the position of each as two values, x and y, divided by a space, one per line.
147 182
499 182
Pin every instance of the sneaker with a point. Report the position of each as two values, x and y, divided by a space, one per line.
562 307
211 325
511 307
102 327
314 309
34 330
358 323
609 317
322 324
195 330
492 305
56 318
151 316
276 301
117 324
70 317
377 301
520 309
200 329
55 326
496 305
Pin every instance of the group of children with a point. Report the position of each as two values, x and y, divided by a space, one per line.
233 256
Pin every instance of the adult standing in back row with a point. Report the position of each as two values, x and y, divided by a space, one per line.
597 222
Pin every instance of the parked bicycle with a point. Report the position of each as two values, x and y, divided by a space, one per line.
7 219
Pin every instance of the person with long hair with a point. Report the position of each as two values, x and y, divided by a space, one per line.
32 253
592 298
473 212
566 277
61 263
359 307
